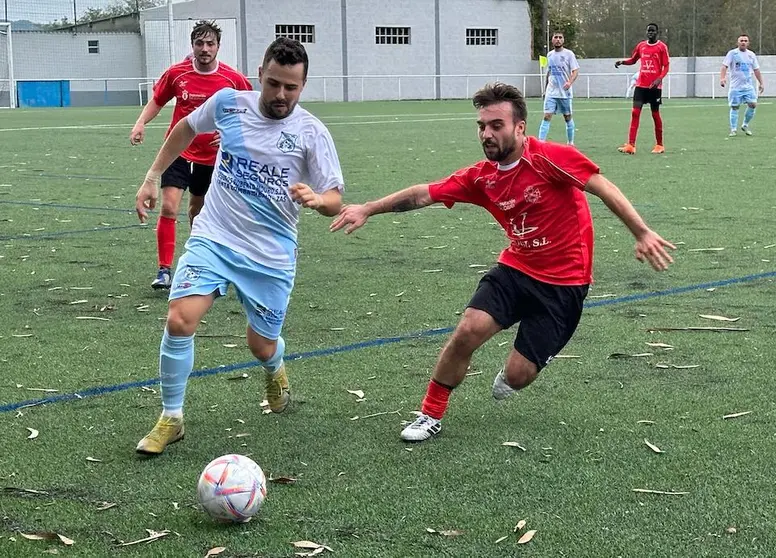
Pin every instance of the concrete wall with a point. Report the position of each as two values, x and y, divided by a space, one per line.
109 77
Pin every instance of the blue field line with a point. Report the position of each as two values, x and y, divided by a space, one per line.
65 233
102 390
67 206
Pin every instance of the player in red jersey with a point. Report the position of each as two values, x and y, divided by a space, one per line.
536 191
190 82
649 86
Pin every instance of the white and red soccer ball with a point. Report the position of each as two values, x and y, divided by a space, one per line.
232 488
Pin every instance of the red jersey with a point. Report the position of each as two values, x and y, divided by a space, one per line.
191 88
540 203
654 62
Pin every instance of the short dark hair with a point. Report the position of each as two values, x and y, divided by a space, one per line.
286 52
744 35
558 32
498 92
655 25
203 28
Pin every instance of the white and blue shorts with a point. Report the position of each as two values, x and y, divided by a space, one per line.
557 105
207 267
738 97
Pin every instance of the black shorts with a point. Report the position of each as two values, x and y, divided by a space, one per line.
648 95
186 175
548 314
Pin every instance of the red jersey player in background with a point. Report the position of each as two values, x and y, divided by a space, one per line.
649 86
536 191
190 82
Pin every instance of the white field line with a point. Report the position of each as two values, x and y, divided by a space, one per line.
432 117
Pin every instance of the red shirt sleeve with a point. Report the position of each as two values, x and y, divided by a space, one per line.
665 60
163 90
245 84
635 55
458 187
564 165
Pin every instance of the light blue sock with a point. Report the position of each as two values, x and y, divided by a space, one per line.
544 129
748 116
176 360
733 119
273 365
570 130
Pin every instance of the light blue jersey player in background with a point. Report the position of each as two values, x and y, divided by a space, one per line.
562 72
742 63
246 233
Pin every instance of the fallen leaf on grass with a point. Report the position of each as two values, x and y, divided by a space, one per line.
243 376
607 295
229 345
94 460
215 551
519 526
736 415
705 249
718 318
46 390
500 539
645 422
444 533
92 318
527 536
513 445
21 335
676 366
357 392
79 301
282 480
152 536
652 446
396 412
665 346
106 506
626 355
48 536
663 492
310 545
33 433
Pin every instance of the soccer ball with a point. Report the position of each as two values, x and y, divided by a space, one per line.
232 488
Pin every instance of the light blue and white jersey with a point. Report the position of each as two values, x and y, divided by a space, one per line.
248 207
560 64
741 66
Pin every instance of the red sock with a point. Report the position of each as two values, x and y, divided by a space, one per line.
658 127
165 240
634 126
435 401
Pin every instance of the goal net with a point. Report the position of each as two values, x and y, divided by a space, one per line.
7 89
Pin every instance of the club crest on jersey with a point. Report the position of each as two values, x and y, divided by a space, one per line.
533 194
287 142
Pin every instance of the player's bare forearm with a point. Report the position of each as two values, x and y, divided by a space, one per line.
722 73
759 75
574 76
149 112
331 203
179 139
414 197
615 200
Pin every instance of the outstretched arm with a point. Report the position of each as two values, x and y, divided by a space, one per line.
650 246
629 61
178 140
355 216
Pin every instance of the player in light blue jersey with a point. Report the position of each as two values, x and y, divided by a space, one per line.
562 72
742 64
274 158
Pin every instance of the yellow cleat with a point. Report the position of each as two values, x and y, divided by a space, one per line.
167 430
278 394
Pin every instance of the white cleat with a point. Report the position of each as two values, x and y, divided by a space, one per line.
732 134
501 389
745 129
421 429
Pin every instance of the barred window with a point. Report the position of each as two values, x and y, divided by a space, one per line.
481 37
392 35
301 33
93 47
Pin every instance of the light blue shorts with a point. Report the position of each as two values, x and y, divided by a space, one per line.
738 97
557 105
207 267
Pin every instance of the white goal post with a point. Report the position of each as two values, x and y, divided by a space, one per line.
7 83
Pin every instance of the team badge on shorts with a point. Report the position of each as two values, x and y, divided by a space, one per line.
192 273
287 142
